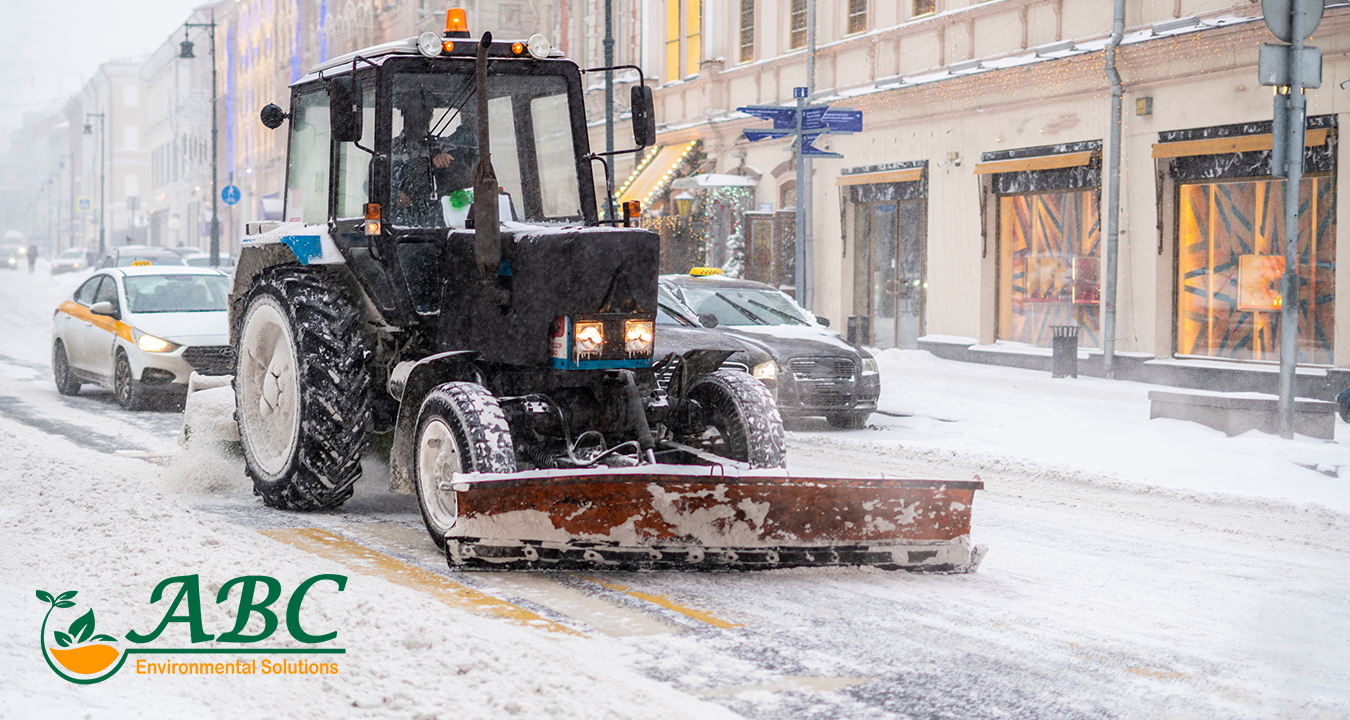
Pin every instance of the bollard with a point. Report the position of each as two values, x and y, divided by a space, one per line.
1064 351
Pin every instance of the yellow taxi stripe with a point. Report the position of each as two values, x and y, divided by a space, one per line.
80 312
665 602
365 561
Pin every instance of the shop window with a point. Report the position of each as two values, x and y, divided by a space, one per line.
1229 261
1049 265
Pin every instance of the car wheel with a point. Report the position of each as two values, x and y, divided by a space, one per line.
743 420
460 429
126 387
853 421
66 382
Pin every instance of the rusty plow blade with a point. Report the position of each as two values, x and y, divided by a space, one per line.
684 518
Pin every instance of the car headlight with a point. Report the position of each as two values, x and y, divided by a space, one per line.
869 366
637 337
765 371
590 338
149 343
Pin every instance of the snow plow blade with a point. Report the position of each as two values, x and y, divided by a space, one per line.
676 518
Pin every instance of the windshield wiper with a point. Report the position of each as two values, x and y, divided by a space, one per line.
786 316
744 311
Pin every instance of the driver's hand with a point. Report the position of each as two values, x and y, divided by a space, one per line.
442 161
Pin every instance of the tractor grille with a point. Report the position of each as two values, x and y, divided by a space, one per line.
823 381
210 359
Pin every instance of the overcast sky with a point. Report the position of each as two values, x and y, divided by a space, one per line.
50 48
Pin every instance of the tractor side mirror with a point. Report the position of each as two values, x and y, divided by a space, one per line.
272 116
344 100
644 116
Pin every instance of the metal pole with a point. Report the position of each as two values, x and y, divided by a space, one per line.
215 154
609 108
804 194
1108 295
1293 178
103 183
799 254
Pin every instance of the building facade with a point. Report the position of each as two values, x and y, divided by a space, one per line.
969 216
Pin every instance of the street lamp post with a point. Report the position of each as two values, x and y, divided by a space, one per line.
102 177
185 52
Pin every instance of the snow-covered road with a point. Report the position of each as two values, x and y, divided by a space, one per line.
1137 569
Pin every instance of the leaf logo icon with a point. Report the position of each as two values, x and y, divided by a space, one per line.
81 651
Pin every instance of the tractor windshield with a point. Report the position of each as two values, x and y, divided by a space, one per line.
434 148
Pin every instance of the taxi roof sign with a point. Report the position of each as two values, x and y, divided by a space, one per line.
702 271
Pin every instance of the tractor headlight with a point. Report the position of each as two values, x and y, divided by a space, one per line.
150 343
765 371
590 338
869 366
637 337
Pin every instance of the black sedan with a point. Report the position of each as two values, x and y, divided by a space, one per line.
818 374
679 330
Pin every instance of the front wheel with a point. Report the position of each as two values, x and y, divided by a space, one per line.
126 387
743 420
300 389
460 429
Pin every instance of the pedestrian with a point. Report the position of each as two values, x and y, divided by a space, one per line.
32 257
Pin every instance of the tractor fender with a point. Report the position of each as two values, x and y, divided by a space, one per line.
409 383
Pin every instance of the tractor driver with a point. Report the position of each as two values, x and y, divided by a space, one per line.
425 167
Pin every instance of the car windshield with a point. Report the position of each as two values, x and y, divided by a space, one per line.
670 311
176 293
747 306
434 147
75 254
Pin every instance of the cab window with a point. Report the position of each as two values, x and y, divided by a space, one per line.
307 174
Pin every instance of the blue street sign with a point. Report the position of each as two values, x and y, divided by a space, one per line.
810 150
757 135
841 120
799 92
230 194
784 118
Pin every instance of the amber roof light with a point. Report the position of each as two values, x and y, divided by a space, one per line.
456 23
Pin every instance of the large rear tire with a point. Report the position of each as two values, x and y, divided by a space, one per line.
300 388
744 423
460 429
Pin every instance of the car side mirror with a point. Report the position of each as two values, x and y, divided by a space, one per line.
344 100
824 321
272 116
103 307
709 320
644 116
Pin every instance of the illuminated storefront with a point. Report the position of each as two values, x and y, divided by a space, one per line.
1049 240
1230 245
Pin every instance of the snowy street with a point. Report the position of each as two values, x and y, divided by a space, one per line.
1136 569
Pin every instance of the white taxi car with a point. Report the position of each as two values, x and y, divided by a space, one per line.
140 331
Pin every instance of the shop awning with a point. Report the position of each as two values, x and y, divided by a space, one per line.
1040 162
889 176
653 172
1225 145
703 181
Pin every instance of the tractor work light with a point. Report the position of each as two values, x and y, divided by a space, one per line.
429 44
372 211
590 339
638 336
539 46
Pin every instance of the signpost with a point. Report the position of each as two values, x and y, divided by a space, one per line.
1289 68
806 123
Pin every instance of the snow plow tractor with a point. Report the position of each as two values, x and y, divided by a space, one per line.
442 278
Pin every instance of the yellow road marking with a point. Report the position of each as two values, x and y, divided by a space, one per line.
667 603
368 562
790 683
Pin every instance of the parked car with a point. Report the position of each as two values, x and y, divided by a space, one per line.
818 373
128 255
679 330
201 259
9 258
72 260
140 331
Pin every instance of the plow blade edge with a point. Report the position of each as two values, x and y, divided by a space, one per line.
673 518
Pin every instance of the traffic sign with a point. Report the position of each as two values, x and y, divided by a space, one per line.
85 204
230 194
1280 17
